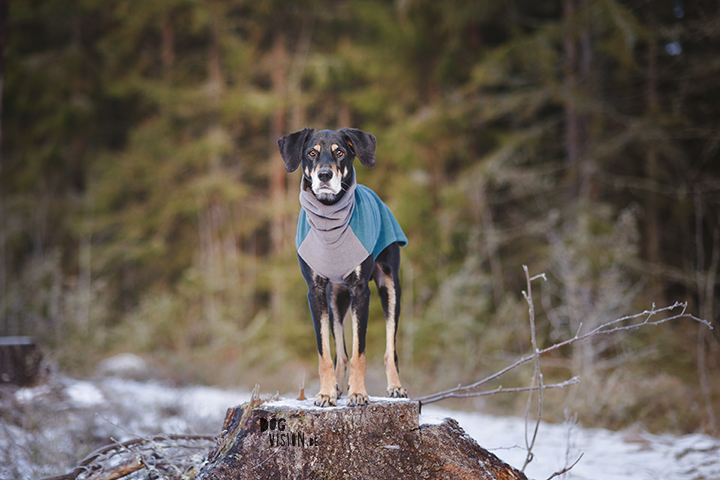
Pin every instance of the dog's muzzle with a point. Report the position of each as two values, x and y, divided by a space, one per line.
325 183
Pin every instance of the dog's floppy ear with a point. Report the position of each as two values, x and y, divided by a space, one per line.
363 144
291 148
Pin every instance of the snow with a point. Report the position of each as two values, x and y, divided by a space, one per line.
26 395
199 401
118 408
606 455
125 365
309 403
84 394
432 419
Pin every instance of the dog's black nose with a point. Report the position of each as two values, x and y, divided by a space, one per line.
325 175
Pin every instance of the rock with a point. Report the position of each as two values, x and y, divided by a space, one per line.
294 439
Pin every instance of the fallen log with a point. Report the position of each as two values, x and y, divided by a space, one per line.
385 439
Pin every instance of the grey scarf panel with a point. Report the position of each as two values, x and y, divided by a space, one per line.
331 248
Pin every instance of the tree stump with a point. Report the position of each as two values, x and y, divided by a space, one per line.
20 360
294 439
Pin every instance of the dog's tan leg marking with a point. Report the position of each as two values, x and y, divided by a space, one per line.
394 387
328 392
357 393
341 359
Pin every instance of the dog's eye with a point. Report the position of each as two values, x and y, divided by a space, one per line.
311 153
339 153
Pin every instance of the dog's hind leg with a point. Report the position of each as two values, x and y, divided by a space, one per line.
385 273
339 304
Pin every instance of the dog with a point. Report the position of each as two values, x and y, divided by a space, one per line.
345 237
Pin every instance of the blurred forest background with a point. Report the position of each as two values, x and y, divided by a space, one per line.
144 206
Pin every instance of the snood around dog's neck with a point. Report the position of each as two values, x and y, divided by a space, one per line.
336 239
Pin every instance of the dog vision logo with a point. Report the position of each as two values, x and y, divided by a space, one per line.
279 436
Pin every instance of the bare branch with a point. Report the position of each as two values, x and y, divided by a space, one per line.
566 469
604 329
500 389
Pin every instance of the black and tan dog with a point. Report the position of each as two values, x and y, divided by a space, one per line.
345 237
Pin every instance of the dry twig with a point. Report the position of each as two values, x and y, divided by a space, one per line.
537 375
301 395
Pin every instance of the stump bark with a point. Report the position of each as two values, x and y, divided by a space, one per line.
385 439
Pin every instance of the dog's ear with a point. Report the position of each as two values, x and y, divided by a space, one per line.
363 144
291 148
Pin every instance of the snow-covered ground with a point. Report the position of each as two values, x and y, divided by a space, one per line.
606 455
43 428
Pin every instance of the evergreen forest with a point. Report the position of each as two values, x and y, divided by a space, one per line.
144 206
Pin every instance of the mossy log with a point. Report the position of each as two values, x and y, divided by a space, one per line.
385 439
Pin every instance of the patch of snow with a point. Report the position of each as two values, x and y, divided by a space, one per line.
606 455
84 394
207 402
28 394
294 404
125 365
309 404
431 419
174 425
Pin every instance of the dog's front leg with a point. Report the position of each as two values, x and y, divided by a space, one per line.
321 319
339 305
357 283
317 298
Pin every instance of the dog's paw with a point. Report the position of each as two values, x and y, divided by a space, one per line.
397 392
357 399
322 400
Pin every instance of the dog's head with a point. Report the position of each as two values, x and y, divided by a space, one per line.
327 157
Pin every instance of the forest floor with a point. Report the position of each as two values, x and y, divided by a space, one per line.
46 430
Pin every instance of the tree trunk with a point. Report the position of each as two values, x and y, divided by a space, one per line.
652 219
3 35
278 175
572 121
578 58
386 439
167 45
588 166
20 360
3 273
